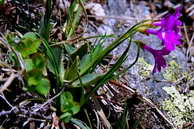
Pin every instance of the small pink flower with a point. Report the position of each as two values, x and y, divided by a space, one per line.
169 31
158 56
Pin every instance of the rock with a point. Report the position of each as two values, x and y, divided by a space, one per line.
96 10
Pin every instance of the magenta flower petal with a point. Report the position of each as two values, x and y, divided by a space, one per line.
171 21
152 31
177 12
169 31
158 23
170 39
158 56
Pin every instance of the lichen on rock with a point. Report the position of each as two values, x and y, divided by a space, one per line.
178 106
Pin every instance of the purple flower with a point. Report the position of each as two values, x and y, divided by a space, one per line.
158 56
169 31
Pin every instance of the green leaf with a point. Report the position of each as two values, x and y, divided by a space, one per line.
88 80
12 39
81 51
43 86
66 117
29 64
2 2
36 61
36 82
54 62
30 35
70 49
107 76
71 72
33 77
95 57
90 59
68 106
121 123
45 25
62 69
74 52
73 18
28 45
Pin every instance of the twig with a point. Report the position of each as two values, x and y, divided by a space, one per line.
7 112
190 45
8 82
3 64
186 37
77 39
19 57
191 13
3 97
190 81
158 110
190 8
48 101
3 88
180 79
149 102
113 17
32 119
164 13
161 15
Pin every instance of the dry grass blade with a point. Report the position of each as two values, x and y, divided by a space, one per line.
18 55
101 114
3 64
8 82
186 37
97 120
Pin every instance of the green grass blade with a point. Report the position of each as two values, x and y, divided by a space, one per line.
121 123
127 68
55 65
44 30
74 12
123 37
108 75
89 60
79 123
112 46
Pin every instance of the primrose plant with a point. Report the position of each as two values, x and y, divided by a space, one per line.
168 30
50 69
